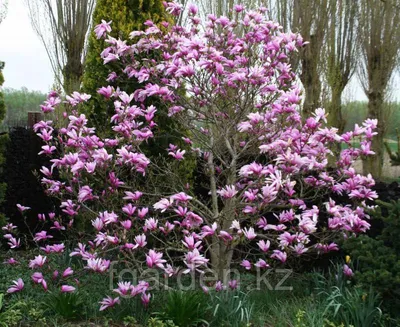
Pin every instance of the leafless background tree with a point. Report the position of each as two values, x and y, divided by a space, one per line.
379 37
309 18
3 9
341 53
62 26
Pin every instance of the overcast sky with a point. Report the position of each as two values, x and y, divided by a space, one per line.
20 48
27 63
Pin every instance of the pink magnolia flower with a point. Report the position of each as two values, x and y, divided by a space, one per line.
249 233
108 302
154 258
225 236
67 272
106 91
11 261
56 248
67 289
21 208
246 264
347 271
85 194
17 286
279 255
14 243
9 227
327 247
98 265
127 224
219 286
102 29
129 209
181 197
39 261
194 260
167 228
238 8
163 204
261 264
233 284
228 192
208 231
133 196
150 224
178 154
57 226
141 240
145 298
41 236
98 224
264 246
37 278
173 8
124 288
142 212
190 242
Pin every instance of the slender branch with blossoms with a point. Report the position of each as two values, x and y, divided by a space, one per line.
266 171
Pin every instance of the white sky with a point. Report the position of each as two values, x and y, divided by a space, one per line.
27 63
20 48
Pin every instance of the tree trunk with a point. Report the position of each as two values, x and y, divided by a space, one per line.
310 78
373 164
72 74
221 258
335 119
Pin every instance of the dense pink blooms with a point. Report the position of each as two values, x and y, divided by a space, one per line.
231 86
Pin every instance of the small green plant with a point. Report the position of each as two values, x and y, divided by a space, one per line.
12 316
184 308
231 309
129 321
67 305
155 322
300 318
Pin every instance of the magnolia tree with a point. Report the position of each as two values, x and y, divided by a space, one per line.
265 169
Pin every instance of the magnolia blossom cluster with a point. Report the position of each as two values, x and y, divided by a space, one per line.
230 82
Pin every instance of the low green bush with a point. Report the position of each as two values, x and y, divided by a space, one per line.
377 259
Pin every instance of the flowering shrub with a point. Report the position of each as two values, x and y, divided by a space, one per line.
230 84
